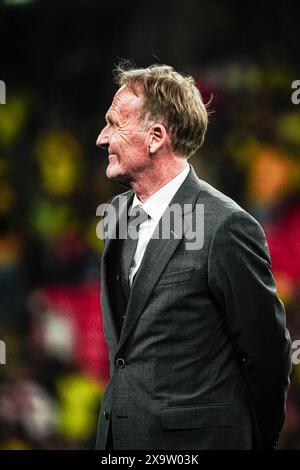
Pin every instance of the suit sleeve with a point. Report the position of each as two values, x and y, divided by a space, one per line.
241 282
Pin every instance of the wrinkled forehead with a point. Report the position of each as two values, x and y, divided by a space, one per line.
126 101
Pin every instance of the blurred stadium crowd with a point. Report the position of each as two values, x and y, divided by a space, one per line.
52 178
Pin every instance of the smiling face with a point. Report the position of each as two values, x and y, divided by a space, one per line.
126 142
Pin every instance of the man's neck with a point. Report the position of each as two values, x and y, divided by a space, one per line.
154 180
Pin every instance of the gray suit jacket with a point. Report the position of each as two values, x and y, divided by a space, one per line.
203 359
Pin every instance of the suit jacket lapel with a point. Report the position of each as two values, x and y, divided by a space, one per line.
110 244
156 257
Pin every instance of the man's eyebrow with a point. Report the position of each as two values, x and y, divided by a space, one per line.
109 117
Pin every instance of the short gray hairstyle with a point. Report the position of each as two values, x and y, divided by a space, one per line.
171 98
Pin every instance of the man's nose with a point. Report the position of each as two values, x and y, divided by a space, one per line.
102 139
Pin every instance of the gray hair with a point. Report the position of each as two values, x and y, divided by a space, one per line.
171 98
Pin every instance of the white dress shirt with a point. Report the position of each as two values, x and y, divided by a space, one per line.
155 206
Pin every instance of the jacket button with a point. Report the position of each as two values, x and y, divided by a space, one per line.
106 414
120 363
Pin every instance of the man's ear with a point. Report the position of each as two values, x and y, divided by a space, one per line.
157 137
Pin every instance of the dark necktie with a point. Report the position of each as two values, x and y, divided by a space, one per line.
136 217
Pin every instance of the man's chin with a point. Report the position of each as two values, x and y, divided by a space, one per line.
112 171
114 174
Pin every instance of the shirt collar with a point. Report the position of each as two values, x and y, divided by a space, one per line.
157 203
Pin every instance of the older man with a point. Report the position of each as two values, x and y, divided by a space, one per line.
199 351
